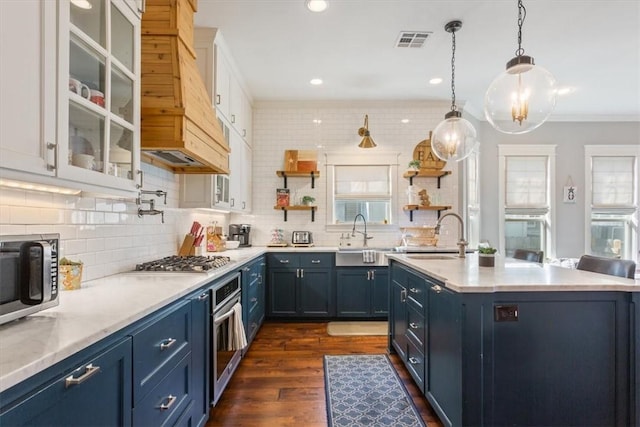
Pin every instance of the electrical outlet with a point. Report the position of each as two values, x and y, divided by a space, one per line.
505 313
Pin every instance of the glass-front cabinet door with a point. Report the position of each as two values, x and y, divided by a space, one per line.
99 93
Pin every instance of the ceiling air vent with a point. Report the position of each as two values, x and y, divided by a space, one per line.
412 38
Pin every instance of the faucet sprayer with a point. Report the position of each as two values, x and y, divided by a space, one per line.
365 235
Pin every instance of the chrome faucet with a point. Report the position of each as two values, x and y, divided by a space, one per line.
365 235
462 243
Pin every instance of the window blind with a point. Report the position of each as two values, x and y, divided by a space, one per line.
612 181
526 181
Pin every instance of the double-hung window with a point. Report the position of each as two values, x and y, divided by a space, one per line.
526 198
365 185
611 208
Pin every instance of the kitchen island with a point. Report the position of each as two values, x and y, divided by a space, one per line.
516 344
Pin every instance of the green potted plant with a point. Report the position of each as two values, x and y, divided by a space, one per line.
414 165
486 256
307 200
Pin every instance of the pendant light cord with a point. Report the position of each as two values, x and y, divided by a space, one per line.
453 71
522 14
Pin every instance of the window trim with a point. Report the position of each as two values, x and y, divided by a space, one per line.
532 150
617 150
333 159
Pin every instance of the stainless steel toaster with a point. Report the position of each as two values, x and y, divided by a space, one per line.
301 238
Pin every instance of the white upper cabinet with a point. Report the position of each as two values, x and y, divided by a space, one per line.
240 176
86 137
28 88
223 81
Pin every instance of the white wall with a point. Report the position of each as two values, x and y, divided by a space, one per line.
280 126
570 139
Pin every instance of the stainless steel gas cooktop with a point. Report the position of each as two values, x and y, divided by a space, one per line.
193 263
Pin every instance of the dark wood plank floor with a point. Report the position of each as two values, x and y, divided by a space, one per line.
280 382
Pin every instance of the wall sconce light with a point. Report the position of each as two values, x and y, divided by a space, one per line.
367 141
454 138
522 97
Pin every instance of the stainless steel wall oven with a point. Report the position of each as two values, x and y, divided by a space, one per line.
225 357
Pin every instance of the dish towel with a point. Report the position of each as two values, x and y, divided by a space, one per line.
368 256
238 339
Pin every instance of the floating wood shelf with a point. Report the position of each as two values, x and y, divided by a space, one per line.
298 174
297 208
411 208
426 174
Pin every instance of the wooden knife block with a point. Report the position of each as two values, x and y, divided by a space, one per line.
187 247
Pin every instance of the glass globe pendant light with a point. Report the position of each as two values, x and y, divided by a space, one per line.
454 138
524 95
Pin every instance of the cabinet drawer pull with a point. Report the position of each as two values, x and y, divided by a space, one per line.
170 401
246 269
436 288
204 296
373 275
413 360
233 118
414 325
254 299
168 343
284 261
217 99
368 274
414 290
302 273
315 261
90 371
260 279
54 147
244 132
403 295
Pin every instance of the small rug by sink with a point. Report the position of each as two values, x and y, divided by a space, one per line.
357 328
365 390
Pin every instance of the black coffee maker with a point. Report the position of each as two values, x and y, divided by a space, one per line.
240 232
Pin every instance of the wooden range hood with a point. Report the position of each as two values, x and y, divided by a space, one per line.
179 128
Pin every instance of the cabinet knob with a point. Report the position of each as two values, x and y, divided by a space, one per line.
436 288
413 325
414 290
413 361
203 296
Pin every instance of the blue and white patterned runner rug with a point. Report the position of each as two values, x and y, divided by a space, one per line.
365 390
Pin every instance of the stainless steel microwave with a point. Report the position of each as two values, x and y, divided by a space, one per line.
28 274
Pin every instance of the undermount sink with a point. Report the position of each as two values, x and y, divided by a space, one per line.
352 257
429 256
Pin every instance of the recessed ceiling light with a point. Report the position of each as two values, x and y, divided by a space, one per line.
435 81
317 121
316 82
317 5
405 120
82 4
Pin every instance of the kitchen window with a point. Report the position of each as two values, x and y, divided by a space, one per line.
611 205
364 184
527 197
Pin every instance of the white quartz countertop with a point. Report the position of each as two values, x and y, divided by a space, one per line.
95 311
511 275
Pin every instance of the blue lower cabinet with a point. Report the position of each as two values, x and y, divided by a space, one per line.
166 403
362 292
200 358
93 392
253 297
300 285
519 358
162 341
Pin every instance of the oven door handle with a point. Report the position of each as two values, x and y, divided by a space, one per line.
217 320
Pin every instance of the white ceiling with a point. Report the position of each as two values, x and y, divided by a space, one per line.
279 45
